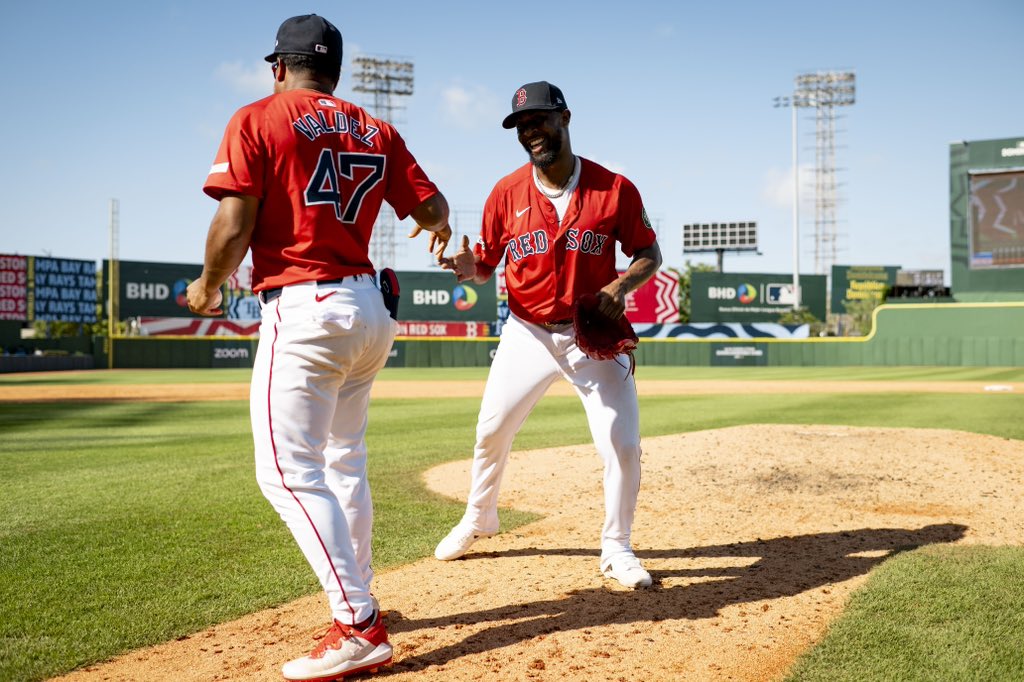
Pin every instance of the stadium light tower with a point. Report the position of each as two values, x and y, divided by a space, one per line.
387 79
824 91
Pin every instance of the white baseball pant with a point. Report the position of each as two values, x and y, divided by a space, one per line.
321 345
528 360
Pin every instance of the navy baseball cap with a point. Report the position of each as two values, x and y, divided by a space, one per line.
539 96
308 34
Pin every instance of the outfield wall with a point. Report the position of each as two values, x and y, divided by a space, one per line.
957 334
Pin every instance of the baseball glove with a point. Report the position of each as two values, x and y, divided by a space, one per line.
390 291
599 336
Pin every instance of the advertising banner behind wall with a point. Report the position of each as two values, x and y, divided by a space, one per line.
149 289
153 289
13 287
48 289
859 283
752 297
656 302
157 290
62 290
438 296
733 355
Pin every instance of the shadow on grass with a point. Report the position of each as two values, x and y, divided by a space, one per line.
784 567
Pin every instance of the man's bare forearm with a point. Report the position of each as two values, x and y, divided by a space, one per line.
228 239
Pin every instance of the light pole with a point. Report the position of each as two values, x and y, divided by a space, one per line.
792 103
387 80
824 91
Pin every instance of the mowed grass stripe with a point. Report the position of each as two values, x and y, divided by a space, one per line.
440 374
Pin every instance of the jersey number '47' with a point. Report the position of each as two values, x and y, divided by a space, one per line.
325 185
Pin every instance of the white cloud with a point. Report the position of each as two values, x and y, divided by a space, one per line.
252 79
777 186
471 108
613 166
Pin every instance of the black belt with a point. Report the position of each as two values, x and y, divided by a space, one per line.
555 325
269 295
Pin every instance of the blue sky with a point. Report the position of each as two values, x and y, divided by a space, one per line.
128 100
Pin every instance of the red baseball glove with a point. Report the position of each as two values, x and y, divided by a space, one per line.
599 336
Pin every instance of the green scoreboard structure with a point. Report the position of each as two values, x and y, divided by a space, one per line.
986 211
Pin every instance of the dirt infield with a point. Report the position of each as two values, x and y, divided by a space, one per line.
755 535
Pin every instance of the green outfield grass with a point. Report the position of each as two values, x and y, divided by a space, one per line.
127 524
644 372
937 613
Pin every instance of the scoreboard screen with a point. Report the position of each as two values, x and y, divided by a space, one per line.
996 218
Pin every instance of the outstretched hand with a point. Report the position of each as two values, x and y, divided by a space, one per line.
463 263
438 240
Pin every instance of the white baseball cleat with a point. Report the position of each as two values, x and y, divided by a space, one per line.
628 570
458 542
342 652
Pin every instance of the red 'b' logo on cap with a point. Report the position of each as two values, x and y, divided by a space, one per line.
521 97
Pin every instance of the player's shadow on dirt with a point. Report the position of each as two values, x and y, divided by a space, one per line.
783 567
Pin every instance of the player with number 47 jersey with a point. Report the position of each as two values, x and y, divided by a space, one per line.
302 150
300 177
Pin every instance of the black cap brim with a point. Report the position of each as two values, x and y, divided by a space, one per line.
510 120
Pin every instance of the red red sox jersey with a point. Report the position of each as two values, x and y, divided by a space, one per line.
547 265
321 168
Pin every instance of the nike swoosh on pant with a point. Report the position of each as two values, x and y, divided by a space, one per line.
320 298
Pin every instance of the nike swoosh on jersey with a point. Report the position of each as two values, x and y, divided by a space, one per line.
520 212
320 298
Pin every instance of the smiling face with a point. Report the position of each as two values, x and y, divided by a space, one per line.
544 135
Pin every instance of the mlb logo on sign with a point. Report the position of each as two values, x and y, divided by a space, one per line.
781 294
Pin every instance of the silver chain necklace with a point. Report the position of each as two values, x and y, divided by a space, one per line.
560 192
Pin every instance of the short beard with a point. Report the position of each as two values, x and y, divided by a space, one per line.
546 159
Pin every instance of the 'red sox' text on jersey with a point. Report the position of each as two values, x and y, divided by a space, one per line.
547 265
337 164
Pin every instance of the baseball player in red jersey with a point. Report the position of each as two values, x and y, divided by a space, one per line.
556 222
300 177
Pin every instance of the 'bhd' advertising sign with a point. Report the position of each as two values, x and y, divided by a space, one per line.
746 297
438 296
159 290
154 289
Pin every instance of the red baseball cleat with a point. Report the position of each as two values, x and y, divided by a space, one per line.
343 651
